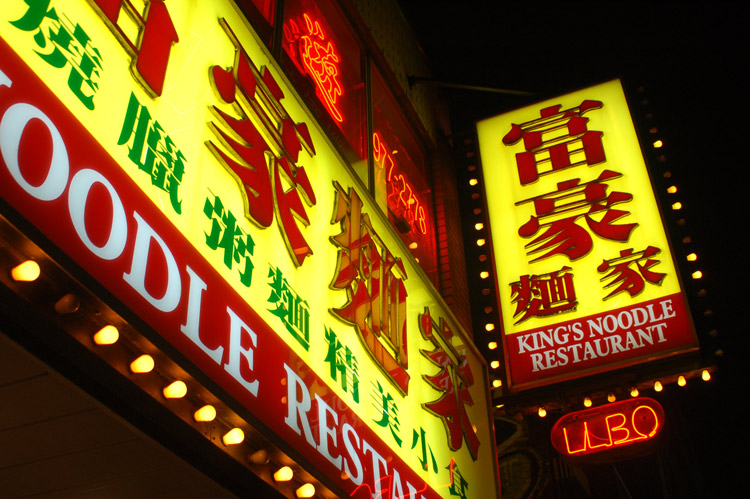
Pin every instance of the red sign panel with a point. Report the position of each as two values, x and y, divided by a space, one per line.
609 427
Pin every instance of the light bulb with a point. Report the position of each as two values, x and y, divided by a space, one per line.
307 490
25 272
658 386
107 335
542 411
233 437
681 381
143 364
587 401
283 474
175 390
205 414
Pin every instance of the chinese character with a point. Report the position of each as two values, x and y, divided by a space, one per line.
557 213
156 34
293 311
543 295
152 150
374 282
342 362
388 410
453 381
458 484
226 234
319 60
421 437
64 44
261 149
628 279
555 138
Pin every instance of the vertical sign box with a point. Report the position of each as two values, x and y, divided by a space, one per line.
585 275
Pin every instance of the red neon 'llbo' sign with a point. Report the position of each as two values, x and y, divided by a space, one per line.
608 427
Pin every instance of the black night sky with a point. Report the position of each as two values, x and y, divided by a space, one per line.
691 59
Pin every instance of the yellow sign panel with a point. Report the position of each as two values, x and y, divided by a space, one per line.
190 104
586 279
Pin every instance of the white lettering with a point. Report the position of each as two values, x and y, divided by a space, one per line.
298 408
137 276
326 431
237 353
78 194
191 328
12 127
346 431
377 463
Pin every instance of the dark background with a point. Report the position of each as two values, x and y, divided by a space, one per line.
691 60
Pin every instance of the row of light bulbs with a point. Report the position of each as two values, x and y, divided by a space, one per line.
634 392
489 327
29 271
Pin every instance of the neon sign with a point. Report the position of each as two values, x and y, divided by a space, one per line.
401 198
320 61
608 427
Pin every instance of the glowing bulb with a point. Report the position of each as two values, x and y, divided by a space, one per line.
473 181
672 189
233 437
107 335
611 397
413 245
481 242
26 272
175 390
587 401
283 474
496 383
634 392
677 205
484 274
705 375
479 226
697 274
143 364
658 386
307 490
681 381
658 144
495 364
205 414
692 257
542 411
492 345
489 327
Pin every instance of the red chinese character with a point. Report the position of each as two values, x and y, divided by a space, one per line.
150 52
557 212
555 138
374 282
543 295
263 148
628 279
320 61
453 380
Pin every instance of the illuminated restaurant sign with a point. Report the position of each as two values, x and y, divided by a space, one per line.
608 428
184 174
585 274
